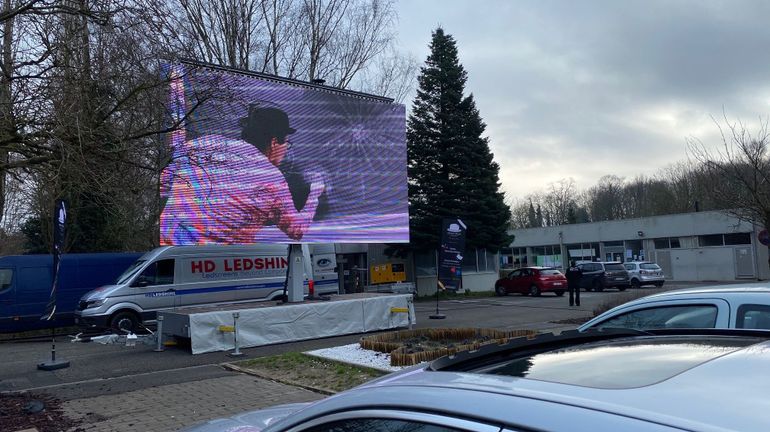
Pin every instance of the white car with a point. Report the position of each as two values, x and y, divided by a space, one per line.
644 273
706 380
728 306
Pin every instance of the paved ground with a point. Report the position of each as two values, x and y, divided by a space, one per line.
170 407
115 388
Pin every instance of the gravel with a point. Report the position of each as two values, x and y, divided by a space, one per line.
356 355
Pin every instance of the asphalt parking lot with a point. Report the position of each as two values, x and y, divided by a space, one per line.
108 386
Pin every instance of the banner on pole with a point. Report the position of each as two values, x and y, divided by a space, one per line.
59 220
451 254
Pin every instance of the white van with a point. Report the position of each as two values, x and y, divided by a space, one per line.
180 276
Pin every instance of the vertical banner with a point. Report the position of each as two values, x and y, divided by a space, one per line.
451 254
59 220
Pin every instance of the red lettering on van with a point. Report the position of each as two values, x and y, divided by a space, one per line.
227 266
284 262
197 266
206 266
269 263
237 264
248 264
259 264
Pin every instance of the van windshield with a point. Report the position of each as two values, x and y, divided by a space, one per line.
130 272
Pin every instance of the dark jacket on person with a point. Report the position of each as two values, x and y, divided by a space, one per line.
574 274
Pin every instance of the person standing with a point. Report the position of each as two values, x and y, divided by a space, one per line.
574 274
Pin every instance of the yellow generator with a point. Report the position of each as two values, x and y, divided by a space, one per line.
388 273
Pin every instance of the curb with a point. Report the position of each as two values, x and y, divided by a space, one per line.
239 369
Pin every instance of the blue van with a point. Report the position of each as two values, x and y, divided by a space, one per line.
25 285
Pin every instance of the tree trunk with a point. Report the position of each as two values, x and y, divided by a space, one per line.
6 111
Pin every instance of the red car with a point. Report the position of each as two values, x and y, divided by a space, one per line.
533 281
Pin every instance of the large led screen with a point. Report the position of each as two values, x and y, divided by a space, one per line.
261 160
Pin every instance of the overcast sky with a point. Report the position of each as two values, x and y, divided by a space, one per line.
582 89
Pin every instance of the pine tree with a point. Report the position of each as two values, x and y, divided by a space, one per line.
531 216
451 169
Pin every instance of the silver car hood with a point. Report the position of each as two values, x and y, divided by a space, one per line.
252 421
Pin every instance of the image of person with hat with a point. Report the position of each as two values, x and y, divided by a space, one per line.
226 190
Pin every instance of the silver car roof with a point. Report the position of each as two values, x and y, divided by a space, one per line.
726 393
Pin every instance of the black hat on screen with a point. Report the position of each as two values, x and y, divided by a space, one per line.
262 124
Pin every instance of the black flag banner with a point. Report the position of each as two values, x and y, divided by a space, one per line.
59 220
451 254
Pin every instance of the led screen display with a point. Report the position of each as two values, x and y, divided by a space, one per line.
263 160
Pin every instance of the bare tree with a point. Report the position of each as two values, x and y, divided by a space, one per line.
346 43
394 75
519 213
224 32
738 171
604 201
558 199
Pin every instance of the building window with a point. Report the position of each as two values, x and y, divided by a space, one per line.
667 243
547 256
737 239
582 251
711 240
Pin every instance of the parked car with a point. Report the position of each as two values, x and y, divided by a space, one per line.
728 306
600 275
644 273
533 281
659 381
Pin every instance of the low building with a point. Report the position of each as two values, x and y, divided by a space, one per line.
358 265
701 246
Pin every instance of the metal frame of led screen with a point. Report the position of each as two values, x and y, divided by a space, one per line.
262 160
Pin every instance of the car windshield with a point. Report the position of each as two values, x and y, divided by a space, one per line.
550 272
625 363
129 273
650 267
614 267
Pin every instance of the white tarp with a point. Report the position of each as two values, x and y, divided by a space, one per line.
294 322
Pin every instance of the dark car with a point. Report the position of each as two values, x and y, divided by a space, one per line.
600 275
532 280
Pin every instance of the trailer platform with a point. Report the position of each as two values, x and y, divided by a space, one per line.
213 328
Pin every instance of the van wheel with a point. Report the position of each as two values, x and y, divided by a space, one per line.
125 321
635 284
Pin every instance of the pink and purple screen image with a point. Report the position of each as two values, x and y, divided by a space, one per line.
267 161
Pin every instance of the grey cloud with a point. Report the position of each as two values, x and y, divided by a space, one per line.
590 77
